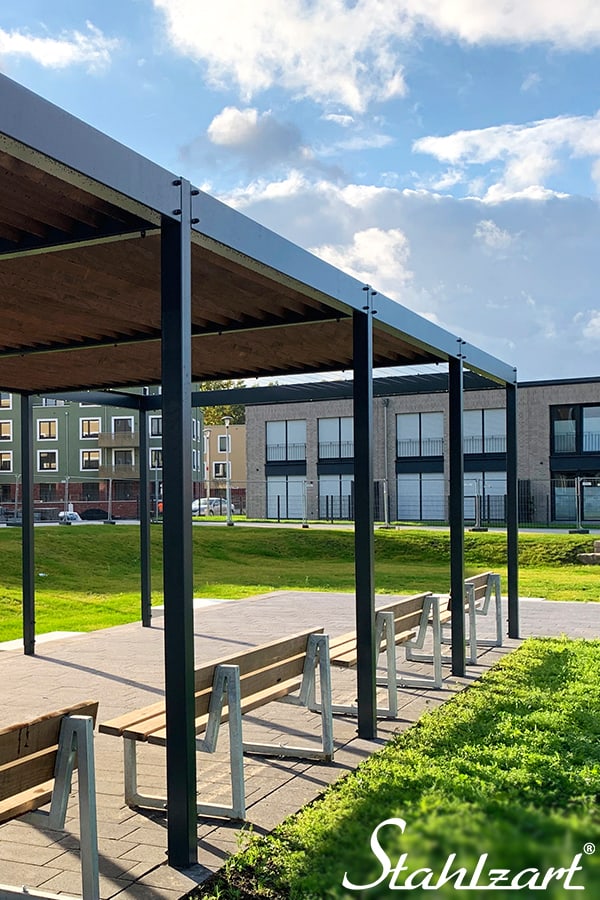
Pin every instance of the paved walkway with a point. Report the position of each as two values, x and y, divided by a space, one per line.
123 668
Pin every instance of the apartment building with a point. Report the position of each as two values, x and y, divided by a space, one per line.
300 455
86 458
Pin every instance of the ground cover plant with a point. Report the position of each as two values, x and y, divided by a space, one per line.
87 576
509 768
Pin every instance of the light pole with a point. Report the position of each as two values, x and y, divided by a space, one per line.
206 434
227 421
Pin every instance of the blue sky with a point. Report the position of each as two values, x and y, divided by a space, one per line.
445 151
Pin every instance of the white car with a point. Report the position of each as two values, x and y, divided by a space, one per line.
212 506
69 516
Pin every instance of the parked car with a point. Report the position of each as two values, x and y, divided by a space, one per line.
69 516
212 506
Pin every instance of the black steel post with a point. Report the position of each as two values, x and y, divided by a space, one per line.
177 531
364 524
145 551
27 530
457 513
512 510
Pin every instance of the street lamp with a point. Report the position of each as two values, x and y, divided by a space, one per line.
206 448
227 421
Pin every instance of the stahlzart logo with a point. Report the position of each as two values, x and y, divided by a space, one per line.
482 878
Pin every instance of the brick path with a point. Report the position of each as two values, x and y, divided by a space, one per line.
123 668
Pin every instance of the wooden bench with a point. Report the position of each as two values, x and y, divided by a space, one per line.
37 760
401 622
224 690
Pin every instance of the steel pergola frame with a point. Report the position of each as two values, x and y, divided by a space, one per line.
154 281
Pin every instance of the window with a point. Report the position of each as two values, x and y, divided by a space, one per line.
194 429
49 492
89 428
484 431
336 438
5 431
49 401
5 400
6 461
124 490
564 429
336 496
90 459
156 460
47 429
285 496
123 457
486 491
224 443
420 434
220 470
286 441
90 491
47 460
591 429
155 426
122 425
421 496
194 462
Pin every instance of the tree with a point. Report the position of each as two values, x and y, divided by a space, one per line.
213 415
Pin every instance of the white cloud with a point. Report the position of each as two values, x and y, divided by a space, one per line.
344 121
328 51
531 82
529 153
374 255
233 126
71 48
517 300
492 237
351 53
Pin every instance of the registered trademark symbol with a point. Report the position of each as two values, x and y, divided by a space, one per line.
589 848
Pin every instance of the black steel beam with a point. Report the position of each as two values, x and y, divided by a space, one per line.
144 501
101 398
364 524
27 530
177 532
456 514
512 511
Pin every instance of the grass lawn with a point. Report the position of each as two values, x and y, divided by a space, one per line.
87 576
509 768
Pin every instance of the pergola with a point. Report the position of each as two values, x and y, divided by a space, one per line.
116 272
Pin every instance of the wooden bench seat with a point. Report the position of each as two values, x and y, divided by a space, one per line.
37 759
227 688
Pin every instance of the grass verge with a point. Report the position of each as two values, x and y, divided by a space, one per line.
509 768
87 577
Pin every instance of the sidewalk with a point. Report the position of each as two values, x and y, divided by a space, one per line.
123 668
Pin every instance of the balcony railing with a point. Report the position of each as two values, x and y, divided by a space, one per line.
416 447
119 472
336 449
591 442
119 439
492 443
286 452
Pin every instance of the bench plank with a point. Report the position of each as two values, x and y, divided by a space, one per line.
17 741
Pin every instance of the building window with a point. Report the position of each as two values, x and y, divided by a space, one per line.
421 497
336 496
6 461
194 429
47 461
224 443
220 470
155 426
420 434
90 491
49 401
122 457
156 458
5 431
90 428
90 459
591 429
122 425
485 496
286 441
484 431
564 429
124 490
49 492
336 438
5 400
285 496
47 429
